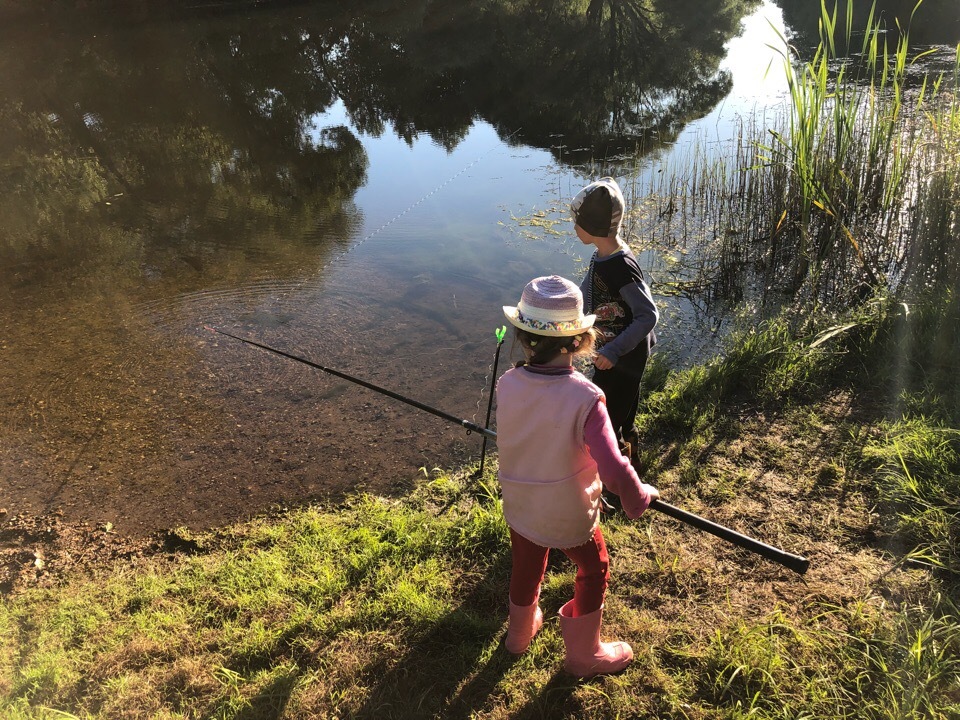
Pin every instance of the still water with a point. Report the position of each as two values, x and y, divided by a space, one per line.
362 188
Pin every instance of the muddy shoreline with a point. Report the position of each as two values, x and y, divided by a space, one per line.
203 433
49 530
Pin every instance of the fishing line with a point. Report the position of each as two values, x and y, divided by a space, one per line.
405 211
292 287
486 377
483 389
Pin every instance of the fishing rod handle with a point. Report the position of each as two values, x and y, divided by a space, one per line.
795 562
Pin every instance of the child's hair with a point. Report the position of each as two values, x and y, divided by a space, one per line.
540 349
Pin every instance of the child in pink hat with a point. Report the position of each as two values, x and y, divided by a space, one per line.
557 449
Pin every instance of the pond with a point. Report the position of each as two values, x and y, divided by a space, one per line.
363 188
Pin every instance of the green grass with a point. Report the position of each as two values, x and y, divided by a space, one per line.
853 663
396 608
228 630
918 481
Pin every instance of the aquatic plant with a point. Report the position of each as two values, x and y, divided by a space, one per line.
853 188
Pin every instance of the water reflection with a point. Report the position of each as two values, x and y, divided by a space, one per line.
162 173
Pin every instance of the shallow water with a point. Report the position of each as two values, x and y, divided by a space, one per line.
289 176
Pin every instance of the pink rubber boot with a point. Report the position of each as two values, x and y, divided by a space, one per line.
525 620
586 655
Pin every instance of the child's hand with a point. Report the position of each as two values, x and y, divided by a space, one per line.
602 362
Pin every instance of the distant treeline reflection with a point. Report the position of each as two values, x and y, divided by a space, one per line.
198 106
206 115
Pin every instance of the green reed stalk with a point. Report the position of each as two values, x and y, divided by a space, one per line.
852 189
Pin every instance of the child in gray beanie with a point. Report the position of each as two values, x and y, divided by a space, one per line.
615 290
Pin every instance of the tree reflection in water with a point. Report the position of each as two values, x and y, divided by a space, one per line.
205 120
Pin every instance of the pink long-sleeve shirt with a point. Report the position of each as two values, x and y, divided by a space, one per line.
615 470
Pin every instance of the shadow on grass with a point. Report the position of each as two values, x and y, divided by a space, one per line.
443 673
454 668
271 702
552 700
457 669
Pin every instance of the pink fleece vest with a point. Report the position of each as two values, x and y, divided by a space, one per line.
550 486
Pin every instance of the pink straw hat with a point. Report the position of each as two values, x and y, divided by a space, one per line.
550 305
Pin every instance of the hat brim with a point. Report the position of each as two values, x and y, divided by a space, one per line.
565 329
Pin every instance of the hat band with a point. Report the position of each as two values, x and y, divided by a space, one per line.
558 326
550 315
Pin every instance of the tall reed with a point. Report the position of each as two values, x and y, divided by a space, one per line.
854 187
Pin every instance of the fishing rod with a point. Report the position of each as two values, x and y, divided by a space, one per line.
794 562
470 426
501 334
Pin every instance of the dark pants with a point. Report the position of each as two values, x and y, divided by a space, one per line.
530 563
623 398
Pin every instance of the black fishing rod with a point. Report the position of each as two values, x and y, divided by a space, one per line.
500 333
470 426
794 562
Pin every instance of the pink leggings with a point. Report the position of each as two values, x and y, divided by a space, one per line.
530 563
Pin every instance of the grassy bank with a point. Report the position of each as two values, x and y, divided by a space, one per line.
397 608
